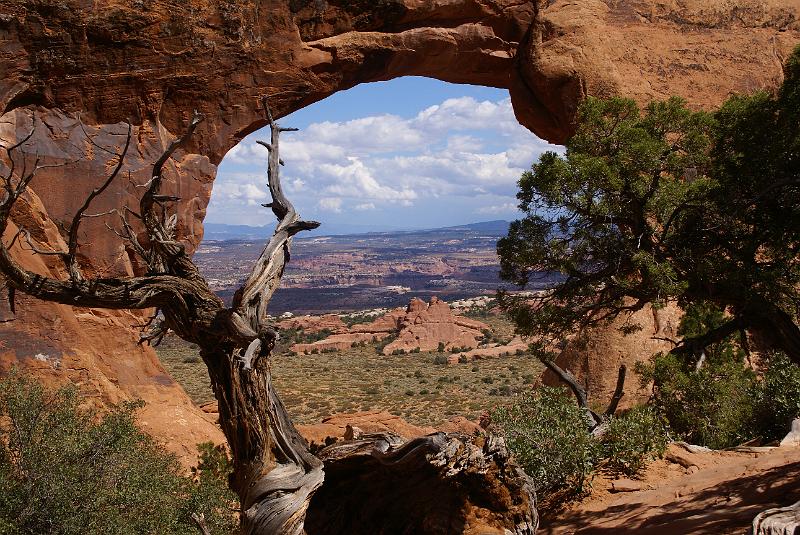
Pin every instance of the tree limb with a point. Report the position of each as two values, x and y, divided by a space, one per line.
618 393
72 241
592 418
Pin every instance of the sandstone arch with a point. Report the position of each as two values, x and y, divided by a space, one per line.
154 61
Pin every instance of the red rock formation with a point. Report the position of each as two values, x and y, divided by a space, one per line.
343 426
153 62
334 427
389 323
490 351
314 324
426 326
96 350
594 356
337 342
421 326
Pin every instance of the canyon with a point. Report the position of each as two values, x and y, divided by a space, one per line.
78 71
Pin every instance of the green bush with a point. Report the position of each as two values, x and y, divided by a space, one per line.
440 360
633 438
712 406
721 402
546 431
65 470
777 398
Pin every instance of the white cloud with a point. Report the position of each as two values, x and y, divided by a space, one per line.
498 209
460 148
330 204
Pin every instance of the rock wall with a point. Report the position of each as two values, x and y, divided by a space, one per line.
81 69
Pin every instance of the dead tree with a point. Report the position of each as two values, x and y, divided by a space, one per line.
274 475
594 421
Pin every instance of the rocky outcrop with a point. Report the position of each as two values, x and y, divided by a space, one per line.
96 350
335 427
420 327
427 327
152 62
516 345
337 342
595 355
314 324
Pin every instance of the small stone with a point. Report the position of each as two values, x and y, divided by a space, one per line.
626 485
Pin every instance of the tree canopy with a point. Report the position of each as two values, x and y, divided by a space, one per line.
666 203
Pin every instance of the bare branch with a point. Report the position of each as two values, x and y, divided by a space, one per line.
33 248
200 521
72 242
252 298
154 330
618 393
592 418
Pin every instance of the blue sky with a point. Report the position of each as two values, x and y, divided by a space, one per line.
404 154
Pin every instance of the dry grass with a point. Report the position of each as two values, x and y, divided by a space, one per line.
411 386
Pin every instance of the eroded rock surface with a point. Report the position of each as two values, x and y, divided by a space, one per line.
595 355
420 327
152 62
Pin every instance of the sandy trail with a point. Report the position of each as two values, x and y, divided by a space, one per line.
719 496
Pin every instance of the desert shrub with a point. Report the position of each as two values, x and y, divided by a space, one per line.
546 431
633 438
462 359
720 401
777 398
707 401
440 347
440 360
711 406
383 343
65 470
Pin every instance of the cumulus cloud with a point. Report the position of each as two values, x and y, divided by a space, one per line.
330 204
505 208
461 147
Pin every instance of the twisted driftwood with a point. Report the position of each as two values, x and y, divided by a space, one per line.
274 474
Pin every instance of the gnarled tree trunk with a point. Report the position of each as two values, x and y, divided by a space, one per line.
274 474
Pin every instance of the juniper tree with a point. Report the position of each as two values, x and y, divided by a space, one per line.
666 203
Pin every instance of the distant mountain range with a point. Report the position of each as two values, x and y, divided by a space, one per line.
222 231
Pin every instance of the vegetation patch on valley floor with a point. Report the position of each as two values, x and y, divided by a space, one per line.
413 386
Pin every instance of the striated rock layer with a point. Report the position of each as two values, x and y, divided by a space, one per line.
152 62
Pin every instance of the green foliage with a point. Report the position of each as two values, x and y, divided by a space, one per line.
546 431
665 204
65 470
777 398
721 402
633 438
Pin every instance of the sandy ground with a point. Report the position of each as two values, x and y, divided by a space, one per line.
720 495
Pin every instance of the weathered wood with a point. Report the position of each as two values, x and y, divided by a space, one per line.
778 521
274 474
435 484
